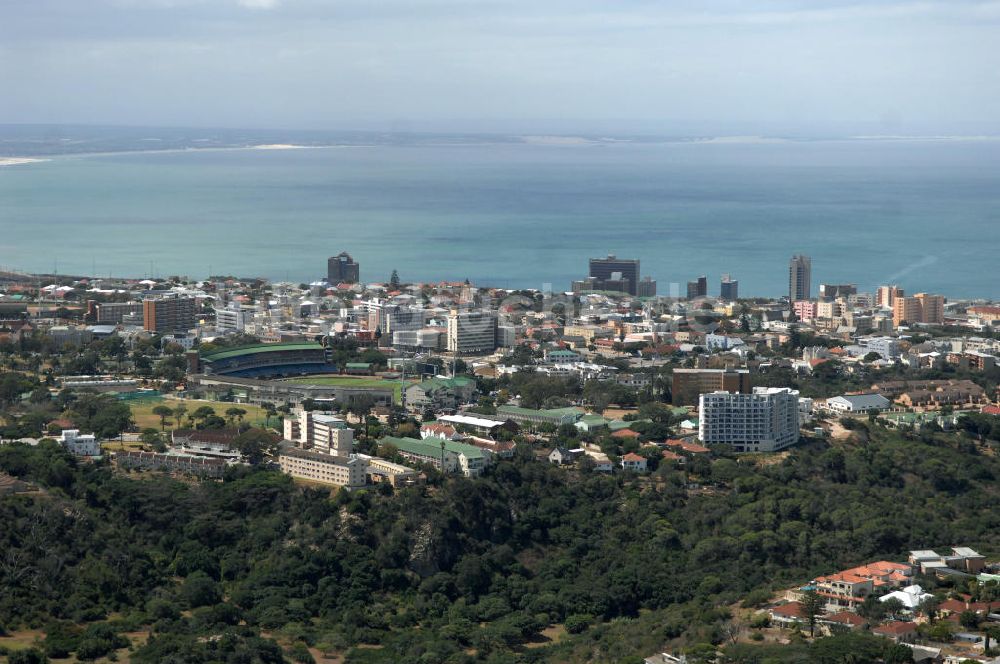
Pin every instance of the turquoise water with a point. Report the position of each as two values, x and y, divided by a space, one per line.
924 214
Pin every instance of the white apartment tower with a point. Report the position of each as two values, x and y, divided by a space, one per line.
322 432
765 421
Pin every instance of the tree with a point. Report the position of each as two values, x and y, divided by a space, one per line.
255 445
969 619
179 411
202 413
163 412
235 413
893 607
269 412
812 608
394 281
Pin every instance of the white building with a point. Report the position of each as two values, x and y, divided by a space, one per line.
858 403
333 469
472 332
79 444
323 432
886 347
233 318
765 421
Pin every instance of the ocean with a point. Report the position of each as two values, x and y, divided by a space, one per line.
921 213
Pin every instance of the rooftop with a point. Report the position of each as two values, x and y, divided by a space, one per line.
259 348
431 446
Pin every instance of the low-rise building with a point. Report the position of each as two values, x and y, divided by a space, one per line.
634 462
171 463
440 393
447 455
79 444
349 472
531 417
381 470
858 403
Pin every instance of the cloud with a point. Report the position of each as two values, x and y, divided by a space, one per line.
258 4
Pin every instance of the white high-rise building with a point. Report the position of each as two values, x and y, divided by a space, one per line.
322 432
472 332
765 421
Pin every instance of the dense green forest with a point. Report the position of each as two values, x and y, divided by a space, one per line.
469 570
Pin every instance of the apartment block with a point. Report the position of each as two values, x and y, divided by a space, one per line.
921 308
169 314
765 421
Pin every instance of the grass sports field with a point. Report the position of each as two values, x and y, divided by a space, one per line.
142 412
354 381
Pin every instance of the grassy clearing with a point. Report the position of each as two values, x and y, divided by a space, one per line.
142 412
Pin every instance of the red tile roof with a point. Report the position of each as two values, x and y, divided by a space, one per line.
846 618
790 610
693 448
895 628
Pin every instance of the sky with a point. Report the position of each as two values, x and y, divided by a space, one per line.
791 67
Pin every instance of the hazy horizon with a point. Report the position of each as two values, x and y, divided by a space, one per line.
784 67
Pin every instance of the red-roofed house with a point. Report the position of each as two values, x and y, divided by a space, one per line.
843 590
673 456
787 614
438 430
846 619
685 446
625 433
634 462
990 410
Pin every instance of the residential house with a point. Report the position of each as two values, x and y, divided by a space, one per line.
79 444
843 590
562 456
910 597
787 615
634 462
900 632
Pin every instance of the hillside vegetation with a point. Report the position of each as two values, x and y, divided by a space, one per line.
466 570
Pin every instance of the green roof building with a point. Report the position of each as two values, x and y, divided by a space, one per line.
532 417
442 454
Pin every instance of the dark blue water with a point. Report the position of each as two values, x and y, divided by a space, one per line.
923 214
